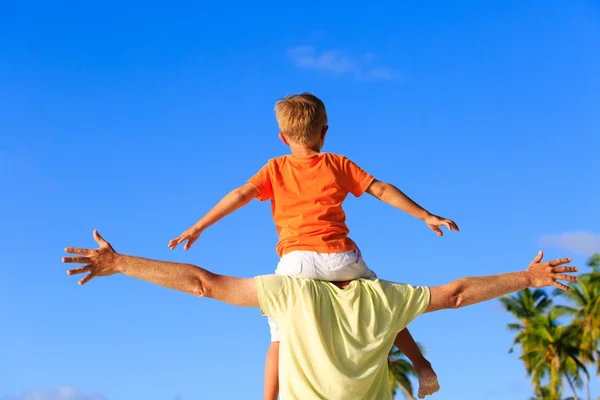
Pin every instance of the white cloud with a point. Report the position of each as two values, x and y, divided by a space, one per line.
577 242
63 393
381 73
331 60
340 62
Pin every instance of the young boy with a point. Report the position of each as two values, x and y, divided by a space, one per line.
307 189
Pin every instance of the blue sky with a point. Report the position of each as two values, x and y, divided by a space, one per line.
135 118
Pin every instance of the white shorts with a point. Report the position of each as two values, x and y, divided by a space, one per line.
331 267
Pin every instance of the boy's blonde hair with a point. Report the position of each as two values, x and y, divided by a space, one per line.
301 118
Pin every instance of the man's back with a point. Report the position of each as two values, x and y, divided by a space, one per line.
336 338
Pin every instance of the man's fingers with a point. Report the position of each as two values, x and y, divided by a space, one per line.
76 250
79 270
565 269
99 239
87 278
559 261
76 260
539 257
455 226
561 286
564 277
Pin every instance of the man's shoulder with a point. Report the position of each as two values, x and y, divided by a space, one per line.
388 288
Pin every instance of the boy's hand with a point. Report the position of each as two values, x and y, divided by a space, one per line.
434 222
191 235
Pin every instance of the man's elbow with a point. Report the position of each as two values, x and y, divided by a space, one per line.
456 299
202 286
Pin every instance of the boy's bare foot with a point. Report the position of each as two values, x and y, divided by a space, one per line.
428 382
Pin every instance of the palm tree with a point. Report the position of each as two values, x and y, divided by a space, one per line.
553 353
400 370
525 305
594 263
551 350
585 310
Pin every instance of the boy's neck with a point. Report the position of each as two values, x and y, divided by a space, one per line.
304 151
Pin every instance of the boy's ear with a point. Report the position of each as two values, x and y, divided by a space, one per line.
324 132
283 139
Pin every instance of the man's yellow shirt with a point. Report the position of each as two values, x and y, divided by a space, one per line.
335 342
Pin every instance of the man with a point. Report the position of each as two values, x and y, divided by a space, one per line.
334 336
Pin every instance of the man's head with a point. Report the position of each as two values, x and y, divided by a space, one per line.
302 120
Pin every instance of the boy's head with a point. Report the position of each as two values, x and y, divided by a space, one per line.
302 119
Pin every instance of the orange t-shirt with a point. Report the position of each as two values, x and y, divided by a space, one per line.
306 200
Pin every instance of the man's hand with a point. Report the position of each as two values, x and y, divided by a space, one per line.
191 235
102 261
434 222
542 274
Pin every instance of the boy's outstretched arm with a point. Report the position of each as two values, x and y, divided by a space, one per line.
234 200
393 196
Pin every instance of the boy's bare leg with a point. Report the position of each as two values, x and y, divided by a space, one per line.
272 372
428 382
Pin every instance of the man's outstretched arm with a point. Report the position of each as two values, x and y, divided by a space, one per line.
105 261
466 291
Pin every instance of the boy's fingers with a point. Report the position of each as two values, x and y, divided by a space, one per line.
190 242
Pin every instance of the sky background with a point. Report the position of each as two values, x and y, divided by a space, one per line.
136 117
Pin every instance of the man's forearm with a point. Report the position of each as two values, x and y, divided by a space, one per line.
467 291
183 277
190 279
478 289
